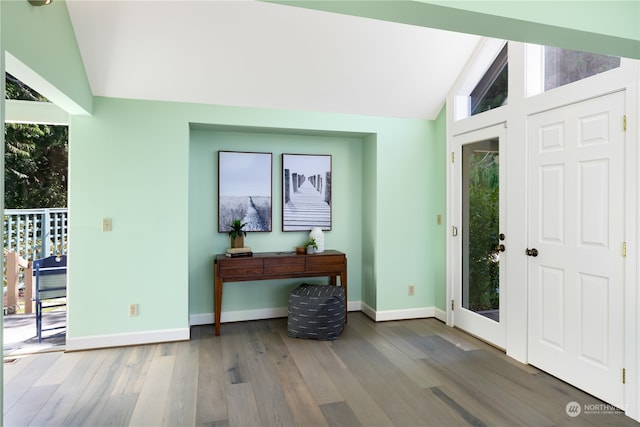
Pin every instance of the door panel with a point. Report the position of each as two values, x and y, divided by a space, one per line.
576 205
552 289
552 203
594 177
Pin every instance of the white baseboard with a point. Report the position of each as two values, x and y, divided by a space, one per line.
243 315
410 313
120 340
441 315
238 316
182 334
404 314
370 312
354 306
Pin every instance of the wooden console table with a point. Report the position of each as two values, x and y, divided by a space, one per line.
276 265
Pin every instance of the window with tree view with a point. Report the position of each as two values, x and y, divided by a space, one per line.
564 66
35 156
481 222
492 89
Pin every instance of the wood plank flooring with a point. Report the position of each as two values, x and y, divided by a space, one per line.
403 373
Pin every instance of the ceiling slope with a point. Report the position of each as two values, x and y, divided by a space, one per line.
257 54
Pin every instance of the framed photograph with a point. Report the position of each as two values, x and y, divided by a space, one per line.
306 192
244 190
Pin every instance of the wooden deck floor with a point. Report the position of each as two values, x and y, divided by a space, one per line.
403 373
19 333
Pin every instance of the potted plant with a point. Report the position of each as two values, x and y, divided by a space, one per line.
237 233
311 245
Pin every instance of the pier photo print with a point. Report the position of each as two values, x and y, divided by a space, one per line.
244 190
306 192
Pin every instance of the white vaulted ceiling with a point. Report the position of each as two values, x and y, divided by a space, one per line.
255 54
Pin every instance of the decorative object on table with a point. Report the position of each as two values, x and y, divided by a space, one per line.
244 190
238 252
237 233
317 235
311 245
301 250
306 192
316 312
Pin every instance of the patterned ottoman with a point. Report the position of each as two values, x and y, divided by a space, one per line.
316 312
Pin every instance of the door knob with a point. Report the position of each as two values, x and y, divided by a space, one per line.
501 248
532 252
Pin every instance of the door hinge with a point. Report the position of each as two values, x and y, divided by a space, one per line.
624 249
624 376
454 231
624 123
453 157
452 305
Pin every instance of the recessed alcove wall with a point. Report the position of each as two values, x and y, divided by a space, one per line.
350 188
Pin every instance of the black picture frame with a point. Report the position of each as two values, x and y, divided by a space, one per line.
245 190
306 192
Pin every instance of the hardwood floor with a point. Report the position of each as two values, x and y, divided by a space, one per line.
403 373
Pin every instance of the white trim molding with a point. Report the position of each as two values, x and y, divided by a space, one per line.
122 340
404 314
19 111
441 315
244 315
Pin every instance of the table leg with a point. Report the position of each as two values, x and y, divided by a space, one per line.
343 283
217 298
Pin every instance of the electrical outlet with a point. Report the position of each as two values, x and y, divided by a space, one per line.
133 310
412 290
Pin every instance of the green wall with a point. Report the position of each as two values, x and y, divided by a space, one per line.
370 206
440 200
43 52
600 26
404 208
617 18
127 162
152 168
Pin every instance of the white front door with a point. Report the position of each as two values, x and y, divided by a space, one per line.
480 248
575 238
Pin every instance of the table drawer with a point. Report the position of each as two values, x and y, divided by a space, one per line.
325 263
284 265
240 267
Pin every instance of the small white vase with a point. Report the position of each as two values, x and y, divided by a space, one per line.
317 234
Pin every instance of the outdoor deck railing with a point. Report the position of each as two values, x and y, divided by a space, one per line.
36 233
30 234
